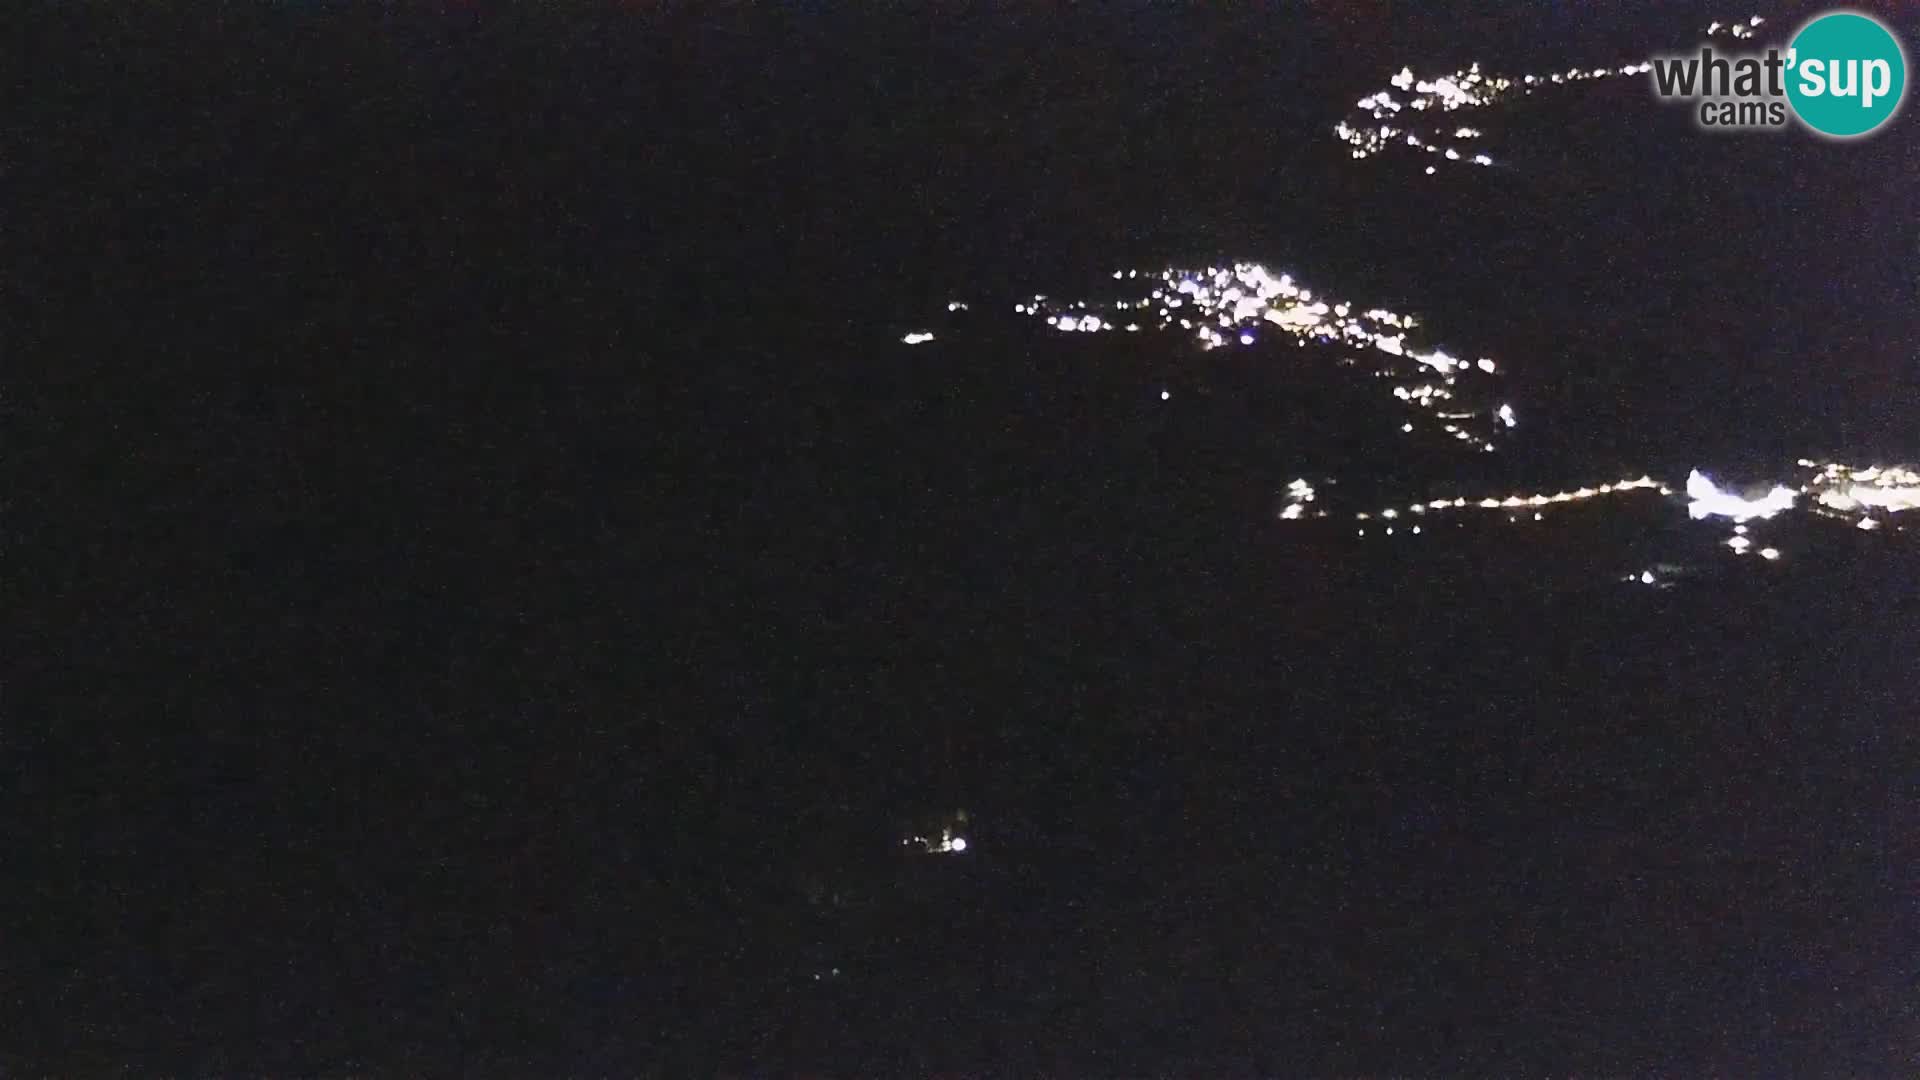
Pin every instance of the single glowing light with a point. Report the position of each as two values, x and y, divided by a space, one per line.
1769 554
1867 525
917 338
1740 544
1646 577
1429 170
960 842
1164 395
1506 415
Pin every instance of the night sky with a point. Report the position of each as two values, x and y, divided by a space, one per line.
492 592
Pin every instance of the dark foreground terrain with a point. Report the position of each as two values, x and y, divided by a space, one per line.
499 589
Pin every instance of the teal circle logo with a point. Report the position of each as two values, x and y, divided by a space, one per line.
1846 74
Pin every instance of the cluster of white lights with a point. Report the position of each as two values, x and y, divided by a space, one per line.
1299 494
1411 113
1865 494
1742 30
1374 124
948 843
1246 303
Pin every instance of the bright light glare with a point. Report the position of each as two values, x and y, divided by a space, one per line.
1710 501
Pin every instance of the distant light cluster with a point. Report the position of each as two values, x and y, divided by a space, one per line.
1381 119
947 843
1864 495
1246 303
1510 503
1741 30
1413 113
1299 495
948 839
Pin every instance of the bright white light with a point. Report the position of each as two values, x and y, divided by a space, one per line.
1867 525
1429 170
1769 554
1292 512
1486 366
1506 415
959 844
1164 395
1740 544
917 338
1710 501
1646 577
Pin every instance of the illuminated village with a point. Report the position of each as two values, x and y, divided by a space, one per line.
1417 114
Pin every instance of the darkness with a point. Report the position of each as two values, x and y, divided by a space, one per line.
487 561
